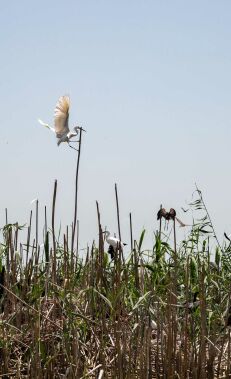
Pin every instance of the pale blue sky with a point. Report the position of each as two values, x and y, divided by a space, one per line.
149 80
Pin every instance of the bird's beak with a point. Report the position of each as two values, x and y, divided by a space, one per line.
80 128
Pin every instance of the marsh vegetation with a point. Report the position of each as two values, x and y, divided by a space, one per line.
158 313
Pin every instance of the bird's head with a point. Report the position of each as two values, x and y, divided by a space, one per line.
77 128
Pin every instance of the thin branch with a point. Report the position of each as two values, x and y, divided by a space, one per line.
76 190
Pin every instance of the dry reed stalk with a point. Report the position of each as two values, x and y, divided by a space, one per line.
36 224
53 233
118 214
131 233
202 353
76 191
28 238
186 363
160 224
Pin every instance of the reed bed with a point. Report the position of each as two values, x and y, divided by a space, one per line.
158 313
66 316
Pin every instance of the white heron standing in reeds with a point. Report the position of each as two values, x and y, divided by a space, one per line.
61 119
114 244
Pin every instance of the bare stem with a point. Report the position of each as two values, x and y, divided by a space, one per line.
53 230
76 190
131 234
118 214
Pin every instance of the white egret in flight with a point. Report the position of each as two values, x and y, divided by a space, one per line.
114 243
61 117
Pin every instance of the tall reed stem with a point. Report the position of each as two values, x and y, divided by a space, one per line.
76 191
53 230
118 214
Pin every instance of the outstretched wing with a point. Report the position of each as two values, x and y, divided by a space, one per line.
46 125
62 116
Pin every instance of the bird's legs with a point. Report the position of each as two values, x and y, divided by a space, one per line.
72 141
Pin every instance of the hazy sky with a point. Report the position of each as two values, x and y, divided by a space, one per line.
151 83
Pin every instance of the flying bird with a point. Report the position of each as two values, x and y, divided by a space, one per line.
61 118
114 244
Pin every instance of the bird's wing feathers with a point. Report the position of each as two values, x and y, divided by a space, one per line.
46 125
62 116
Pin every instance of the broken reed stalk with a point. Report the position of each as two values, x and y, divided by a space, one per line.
76 191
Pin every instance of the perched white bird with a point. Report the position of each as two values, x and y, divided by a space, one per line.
114 243
61 117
